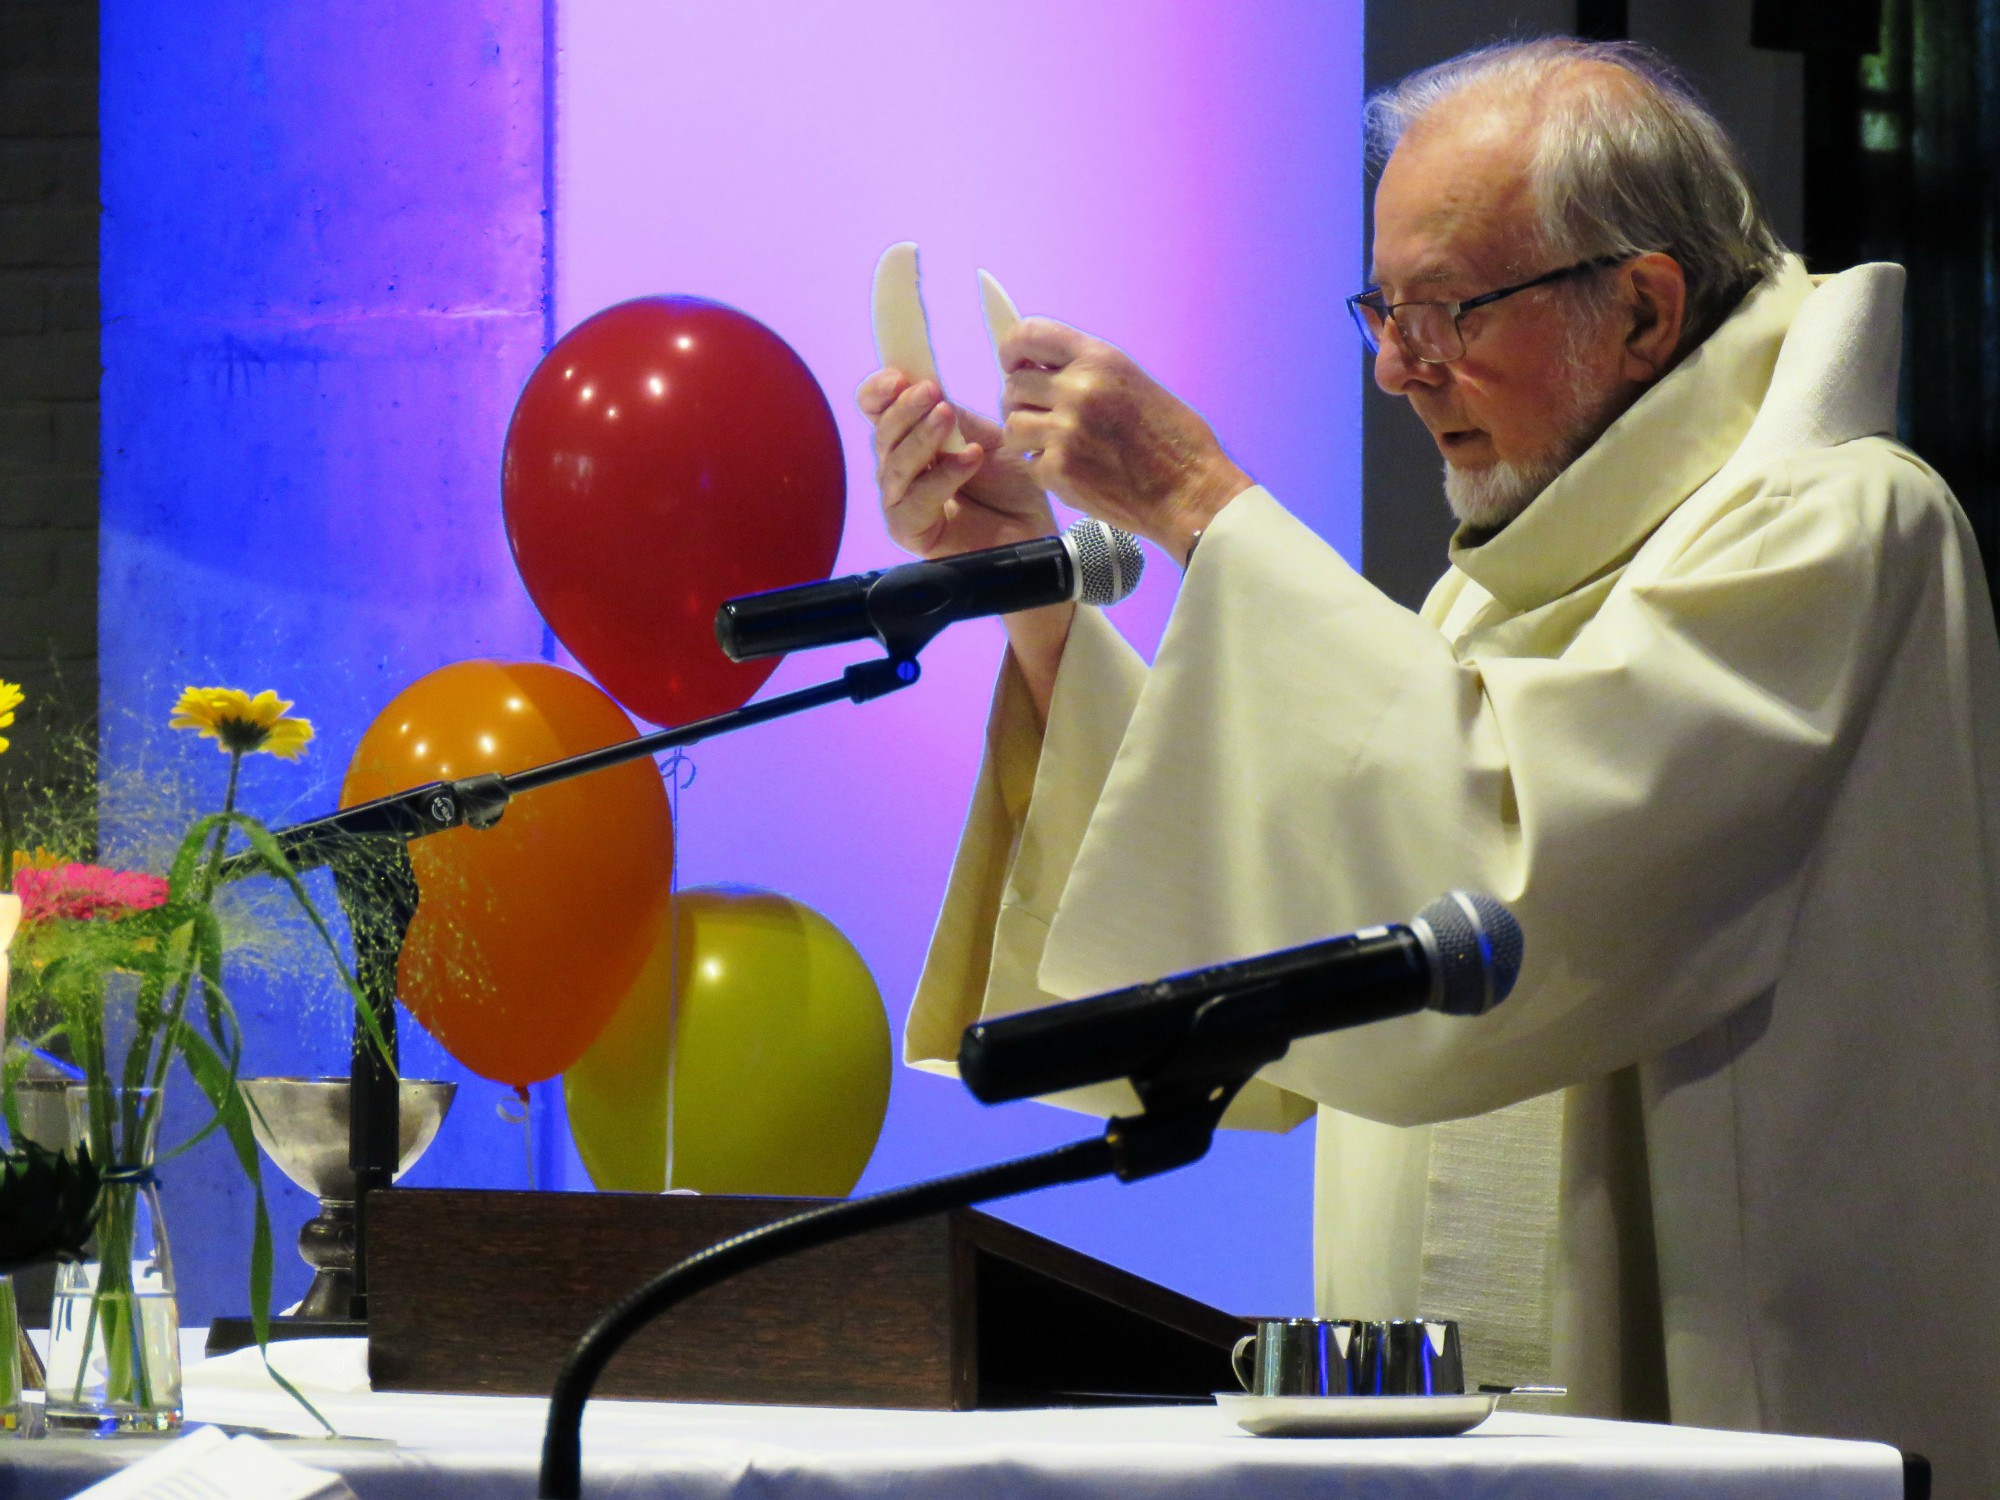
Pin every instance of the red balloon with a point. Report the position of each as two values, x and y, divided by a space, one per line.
666 455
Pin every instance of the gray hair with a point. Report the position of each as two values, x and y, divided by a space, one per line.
1614 171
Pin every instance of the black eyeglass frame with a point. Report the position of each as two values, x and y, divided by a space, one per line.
1362 303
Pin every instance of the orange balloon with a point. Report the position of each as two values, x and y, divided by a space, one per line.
527 934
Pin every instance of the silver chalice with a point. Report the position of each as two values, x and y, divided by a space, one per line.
302 1125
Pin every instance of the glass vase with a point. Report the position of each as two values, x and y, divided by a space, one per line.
114 1333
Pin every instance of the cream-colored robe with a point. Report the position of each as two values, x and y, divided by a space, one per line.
1718 717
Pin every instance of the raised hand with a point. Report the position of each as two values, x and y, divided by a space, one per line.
1108 439
934 503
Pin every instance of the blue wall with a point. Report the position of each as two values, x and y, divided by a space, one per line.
324 278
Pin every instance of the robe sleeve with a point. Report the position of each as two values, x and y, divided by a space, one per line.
1307 757
1034 798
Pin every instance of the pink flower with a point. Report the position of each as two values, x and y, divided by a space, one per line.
78 893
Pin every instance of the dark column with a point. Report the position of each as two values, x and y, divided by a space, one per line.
48 384
1902 133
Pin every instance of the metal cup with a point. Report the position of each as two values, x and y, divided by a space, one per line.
1411 1357
1350 1357
1300 1357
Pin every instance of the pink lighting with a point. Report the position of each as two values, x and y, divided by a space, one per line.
1179 176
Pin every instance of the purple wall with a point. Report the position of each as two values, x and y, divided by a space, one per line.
1179 176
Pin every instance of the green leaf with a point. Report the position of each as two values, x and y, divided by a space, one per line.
185 869
219 1083
272 856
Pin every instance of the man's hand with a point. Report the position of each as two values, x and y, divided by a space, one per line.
1110 440
937 504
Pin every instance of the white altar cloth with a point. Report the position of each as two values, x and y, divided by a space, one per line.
397 1447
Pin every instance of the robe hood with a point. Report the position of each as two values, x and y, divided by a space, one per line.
1673 439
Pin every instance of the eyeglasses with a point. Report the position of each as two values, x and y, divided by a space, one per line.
1430 330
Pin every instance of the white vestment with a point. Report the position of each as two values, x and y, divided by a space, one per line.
1718 717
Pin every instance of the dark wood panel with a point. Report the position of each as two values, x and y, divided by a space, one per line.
487 1292
1146 1299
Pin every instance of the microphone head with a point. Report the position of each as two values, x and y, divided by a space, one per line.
1108 561
1475 947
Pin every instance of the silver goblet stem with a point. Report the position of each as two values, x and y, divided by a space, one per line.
302 1124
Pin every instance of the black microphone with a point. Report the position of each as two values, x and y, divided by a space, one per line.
903 607
1459 955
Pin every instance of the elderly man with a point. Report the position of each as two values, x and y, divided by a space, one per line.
1709 696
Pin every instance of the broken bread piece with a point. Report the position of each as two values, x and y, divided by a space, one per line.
902 332
1001 313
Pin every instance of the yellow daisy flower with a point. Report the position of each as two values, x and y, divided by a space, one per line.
10 699
240 724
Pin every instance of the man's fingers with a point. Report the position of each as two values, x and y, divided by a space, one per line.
1029 432
982 430
1040 341
913 515
904 461
875 394
903 416
1029 389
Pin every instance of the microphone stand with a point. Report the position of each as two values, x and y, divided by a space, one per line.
367 849
1227 1041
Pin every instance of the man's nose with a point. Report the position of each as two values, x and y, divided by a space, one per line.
1396 369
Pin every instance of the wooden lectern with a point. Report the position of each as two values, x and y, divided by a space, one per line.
487 1292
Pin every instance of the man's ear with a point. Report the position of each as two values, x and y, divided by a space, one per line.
1656 292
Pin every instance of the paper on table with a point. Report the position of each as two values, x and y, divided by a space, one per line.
902 332
206 1465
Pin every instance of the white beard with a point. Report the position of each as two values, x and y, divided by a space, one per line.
1487 499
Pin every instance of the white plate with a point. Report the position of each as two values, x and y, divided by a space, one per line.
1356 1416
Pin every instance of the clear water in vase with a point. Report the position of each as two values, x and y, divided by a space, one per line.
114 1361
116 1371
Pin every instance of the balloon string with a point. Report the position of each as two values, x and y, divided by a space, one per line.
678 767
516 1111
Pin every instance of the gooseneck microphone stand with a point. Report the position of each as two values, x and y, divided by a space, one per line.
366 847
1227 1040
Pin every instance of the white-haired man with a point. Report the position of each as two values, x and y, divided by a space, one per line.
1710 696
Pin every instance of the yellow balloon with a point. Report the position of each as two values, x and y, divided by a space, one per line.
780 1074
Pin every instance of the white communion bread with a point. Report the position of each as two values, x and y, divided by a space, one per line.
902 333
1001 313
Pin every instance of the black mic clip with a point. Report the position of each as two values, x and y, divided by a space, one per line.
1184 1099
871 679
909 606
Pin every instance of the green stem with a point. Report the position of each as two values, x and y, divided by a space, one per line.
206 892
116 1325
10 1356
214 865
